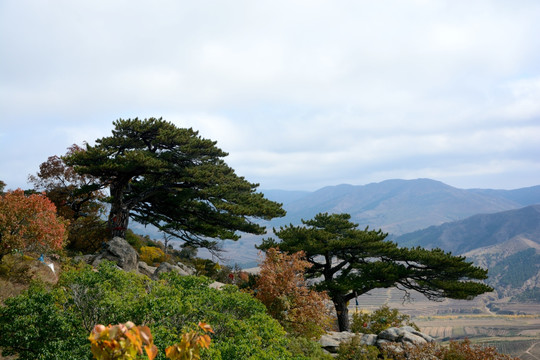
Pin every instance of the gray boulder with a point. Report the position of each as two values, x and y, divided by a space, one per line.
166 267
119 251
146 269
411 338
88 259
406 334
331 340
368 339
186 268
418 333
397 339
393 334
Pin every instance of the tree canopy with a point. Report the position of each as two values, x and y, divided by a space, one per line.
350 262
174 179
73 194
29 223
77 198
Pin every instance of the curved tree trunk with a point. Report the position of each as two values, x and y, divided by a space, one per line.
342 311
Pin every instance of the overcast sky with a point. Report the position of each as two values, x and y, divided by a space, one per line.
301 94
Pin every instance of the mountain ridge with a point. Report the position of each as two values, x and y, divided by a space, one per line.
486 229
400 206
506 243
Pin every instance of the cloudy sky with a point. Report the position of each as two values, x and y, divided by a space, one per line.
301 94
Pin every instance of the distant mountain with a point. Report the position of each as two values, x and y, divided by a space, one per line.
524 196
478 231
506 243
285 196
398 206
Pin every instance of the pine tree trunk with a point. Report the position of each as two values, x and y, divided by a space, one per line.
119 215
342 312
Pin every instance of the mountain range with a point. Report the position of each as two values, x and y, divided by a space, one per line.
400 206
506 243
395 206
497 229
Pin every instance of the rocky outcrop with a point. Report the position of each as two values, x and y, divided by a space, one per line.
166 267
126 258
330 342
397 337
146 269
188 269
119 251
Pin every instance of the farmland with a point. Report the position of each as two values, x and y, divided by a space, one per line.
512 328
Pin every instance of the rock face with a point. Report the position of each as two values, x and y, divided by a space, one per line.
119 251
126 258
146 269
400 337
188 269
166 267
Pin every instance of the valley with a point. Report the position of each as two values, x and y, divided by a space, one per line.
513 328
497 229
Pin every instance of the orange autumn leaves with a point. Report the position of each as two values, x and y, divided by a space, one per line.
190 344
29 223
122 341
127 341
282 288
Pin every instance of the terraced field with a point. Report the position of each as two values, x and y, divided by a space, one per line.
513 328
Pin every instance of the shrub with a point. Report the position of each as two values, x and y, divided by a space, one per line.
353 350
379 320
122 341
281 287
41 321
456 350
29 223
151 255
302 347
33 326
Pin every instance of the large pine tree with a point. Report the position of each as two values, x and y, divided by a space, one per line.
350 262
174 179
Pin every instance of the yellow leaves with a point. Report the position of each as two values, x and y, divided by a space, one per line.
151 254
190 344
122 342
206 327
127 341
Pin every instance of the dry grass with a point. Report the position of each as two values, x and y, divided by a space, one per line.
17 271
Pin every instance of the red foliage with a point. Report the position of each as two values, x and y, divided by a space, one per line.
29 223
282 288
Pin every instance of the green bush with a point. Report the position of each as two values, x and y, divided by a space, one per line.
301 347
379 320
353 350
54 323
34 326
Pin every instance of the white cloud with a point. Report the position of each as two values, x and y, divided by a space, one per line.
299 93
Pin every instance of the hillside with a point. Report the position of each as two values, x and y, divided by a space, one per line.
478 231
397 206
524 196
507 243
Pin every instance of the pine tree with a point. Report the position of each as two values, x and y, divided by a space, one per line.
174 179
350 262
